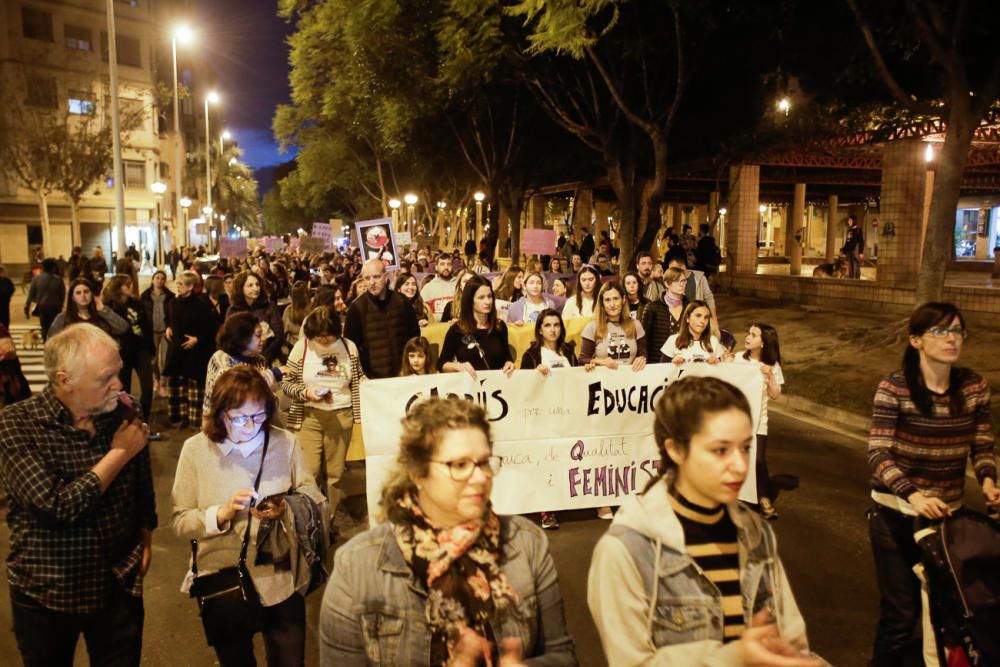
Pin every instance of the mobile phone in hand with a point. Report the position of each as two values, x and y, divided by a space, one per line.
126 408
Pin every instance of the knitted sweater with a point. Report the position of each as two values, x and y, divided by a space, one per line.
295 388
910 452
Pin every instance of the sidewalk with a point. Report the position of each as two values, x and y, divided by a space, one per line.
833 360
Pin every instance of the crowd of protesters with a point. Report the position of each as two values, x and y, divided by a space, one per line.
264 355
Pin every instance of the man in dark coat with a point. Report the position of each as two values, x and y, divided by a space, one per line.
854 248
380 322
6 292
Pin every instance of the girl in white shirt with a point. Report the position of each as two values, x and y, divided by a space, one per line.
695 341
581 304
762 349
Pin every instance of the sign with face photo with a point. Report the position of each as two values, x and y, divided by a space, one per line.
378 241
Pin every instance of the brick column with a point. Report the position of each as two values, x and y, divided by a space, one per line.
793 228
902 212
743 218
536 212
678 219
583 211
832 228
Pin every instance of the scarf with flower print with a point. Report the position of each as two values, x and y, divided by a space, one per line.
460 567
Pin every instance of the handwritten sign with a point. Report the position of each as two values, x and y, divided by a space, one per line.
568 441
322 230
232 247
538 241
312 244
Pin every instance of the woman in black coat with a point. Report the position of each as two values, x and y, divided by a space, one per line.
191 344
136 343
250 295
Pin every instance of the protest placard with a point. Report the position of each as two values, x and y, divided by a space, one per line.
323 231
568 441
312 244
538 241
229 247
378 241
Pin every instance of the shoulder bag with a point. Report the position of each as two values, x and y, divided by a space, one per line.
227 600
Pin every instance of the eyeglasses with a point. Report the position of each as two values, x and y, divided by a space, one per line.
243 420
942 332
461 470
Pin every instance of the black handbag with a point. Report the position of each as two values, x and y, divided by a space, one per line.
227 600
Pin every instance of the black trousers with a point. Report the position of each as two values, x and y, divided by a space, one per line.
763 479
898 638
48 638
284 638
140 361
46 315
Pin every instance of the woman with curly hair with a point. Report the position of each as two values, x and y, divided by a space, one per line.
488 587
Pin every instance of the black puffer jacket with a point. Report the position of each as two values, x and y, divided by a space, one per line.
268 312
380 329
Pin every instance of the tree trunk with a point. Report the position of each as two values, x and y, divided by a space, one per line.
74 216
627 191
43 209
939 240
651 214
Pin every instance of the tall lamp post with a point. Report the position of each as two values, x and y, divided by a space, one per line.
116 136
212 97
394 204
411 201
479 197
158 189
223 138
185 205
182 34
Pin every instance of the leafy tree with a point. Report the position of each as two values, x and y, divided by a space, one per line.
937 60
234 188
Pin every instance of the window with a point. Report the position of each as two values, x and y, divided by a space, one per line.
135 174
42 92
78 38
81 102
129 50
36 24
164 170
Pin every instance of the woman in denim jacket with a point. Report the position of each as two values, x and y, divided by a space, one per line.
444 581
686 575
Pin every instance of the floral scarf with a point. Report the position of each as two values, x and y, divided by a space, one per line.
461 568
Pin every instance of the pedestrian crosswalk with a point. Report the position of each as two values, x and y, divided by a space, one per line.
32 361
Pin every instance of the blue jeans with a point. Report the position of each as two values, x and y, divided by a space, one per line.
48 638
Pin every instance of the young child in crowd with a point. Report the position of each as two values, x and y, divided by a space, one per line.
416 352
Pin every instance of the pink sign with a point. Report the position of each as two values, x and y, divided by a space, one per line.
232 247
538 241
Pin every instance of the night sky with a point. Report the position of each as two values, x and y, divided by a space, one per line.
244 41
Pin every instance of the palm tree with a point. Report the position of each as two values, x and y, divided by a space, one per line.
234 188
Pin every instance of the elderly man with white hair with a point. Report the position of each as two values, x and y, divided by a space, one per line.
82 511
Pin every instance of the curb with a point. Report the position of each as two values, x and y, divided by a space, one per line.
840 421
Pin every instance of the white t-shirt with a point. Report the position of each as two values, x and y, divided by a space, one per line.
331 371
531 310
570 310
695 351
615 344
437 293
554 360
779 378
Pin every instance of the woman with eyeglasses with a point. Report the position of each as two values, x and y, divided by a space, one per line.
478 340
930 418
581 304
323 380
212 494
444 580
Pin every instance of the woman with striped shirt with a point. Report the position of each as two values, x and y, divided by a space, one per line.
929 418
686 575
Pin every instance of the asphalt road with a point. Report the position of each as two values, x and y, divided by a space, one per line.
821 533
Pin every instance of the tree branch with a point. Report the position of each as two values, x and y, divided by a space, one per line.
616 95
895 89
929 35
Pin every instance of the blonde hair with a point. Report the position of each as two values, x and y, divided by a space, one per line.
625 320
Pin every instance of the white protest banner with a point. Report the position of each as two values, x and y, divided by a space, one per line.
322 230
232 247
403 239
568 441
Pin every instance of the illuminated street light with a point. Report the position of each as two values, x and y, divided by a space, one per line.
479 197
185 202
763 209
784 105
929 153
183 34
723 210
442 205
411 200
207 210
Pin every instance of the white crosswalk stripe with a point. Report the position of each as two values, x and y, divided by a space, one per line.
32 362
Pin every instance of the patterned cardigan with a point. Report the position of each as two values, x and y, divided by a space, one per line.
295 388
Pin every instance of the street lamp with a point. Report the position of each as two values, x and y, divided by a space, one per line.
394 204
226 136
185 205
479 197
784 105
212 97
184 35
411 200
158 189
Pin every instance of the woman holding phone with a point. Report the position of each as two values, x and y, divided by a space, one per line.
212 499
